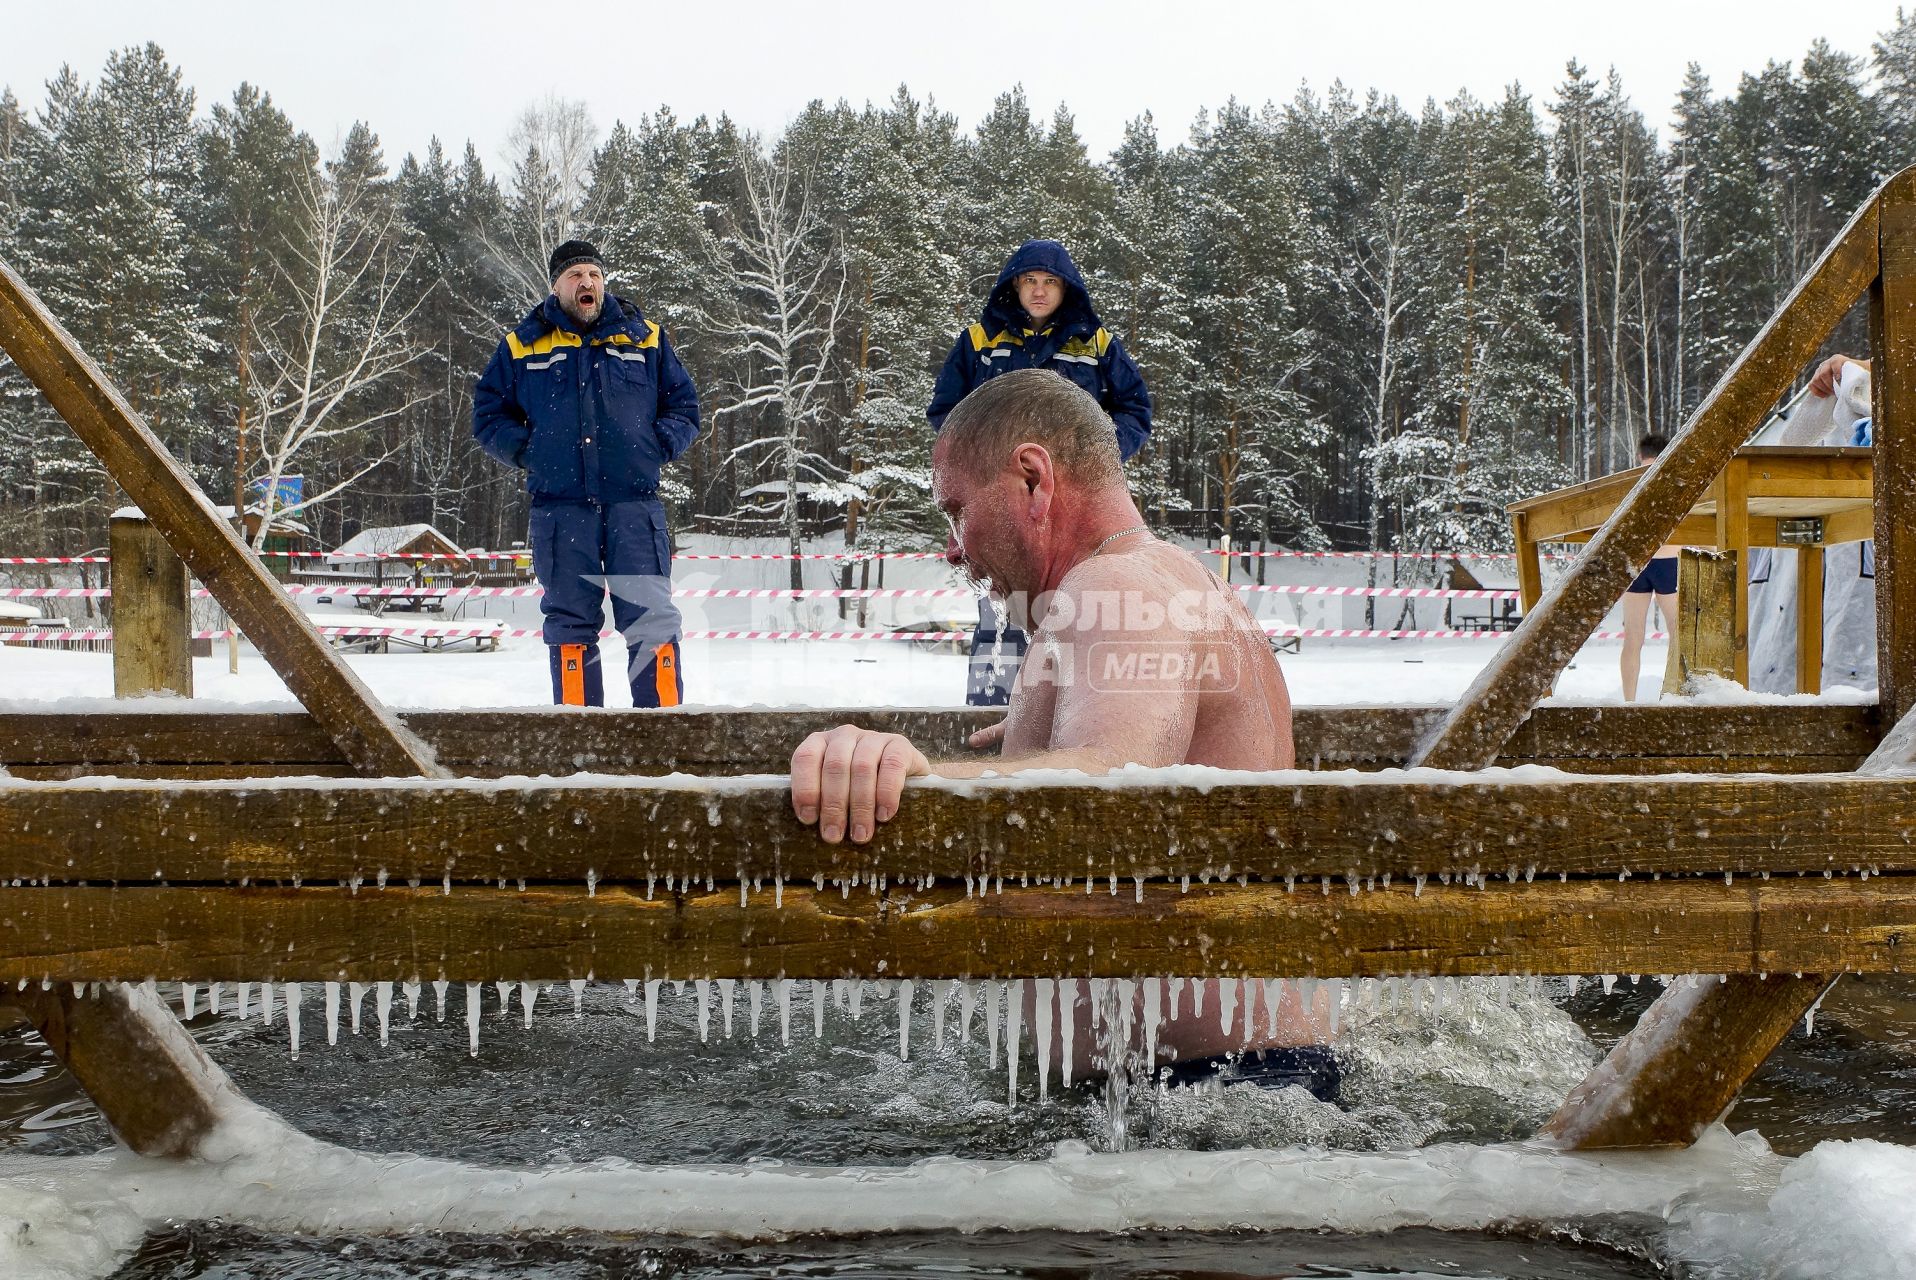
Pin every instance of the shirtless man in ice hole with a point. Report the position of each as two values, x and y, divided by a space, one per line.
1140 655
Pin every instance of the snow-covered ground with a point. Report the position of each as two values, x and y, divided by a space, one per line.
740 673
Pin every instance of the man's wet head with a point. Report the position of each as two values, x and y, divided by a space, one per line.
1025 468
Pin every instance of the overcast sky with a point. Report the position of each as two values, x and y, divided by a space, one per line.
459 71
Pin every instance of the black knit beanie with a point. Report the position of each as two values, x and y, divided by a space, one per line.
570 254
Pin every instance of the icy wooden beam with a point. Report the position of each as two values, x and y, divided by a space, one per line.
1684 1062
158 1090
1655 738
366 734
482 933
1524 668
1893 387
630 831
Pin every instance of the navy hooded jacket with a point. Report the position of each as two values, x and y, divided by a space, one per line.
591 416
1072 343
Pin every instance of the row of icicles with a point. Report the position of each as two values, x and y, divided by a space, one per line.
1123 1012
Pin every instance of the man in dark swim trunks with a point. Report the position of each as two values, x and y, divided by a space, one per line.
1658 580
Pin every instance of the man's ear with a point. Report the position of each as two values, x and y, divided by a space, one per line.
1035 469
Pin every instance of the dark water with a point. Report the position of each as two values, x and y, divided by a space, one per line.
575 1089
224 1254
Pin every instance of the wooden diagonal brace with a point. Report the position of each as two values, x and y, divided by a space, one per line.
1684 1062
161 1095
1524 668
369 736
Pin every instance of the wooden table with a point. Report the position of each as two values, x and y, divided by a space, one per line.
1762 486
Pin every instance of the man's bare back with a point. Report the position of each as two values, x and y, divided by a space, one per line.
1211 690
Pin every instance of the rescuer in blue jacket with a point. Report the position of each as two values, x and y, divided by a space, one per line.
587 397
1037 316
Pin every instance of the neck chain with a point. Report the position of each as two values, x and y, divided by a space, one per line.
1122 533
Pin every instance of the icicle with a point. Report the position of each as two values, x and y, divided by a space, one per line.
212 997
727 988
1249 1020
1273 998
245 994
1047 990
651 1009
578 996
472 1018
1097 1002
818 1009
967 1002
1125 992
187 994
1177 995
1575 982
383 1005
991 1022
753 997
439 988
940 994
505 996
858 998
1337 1002
905 988
702 991
1226 1004
1014 1018
1306 1001
292 1017
266 1001
528 995
785 1010
355 992
841 993
1608 981
332 1013
412 999
1153 1019
1197 997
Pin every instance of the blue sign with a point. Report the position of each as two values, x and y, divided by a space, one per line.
288 493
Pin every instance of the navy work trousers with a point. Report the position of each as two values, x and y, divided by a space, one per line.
581 551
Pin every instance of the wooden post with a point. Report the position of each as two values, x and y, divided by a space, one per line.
160 1093
1524 667
152 624
1893 388
1809 619
1706 595
1731 490
368 735
1529 564
1681 1066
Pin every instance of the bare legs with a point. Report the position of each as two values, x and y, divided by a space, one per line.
1636 612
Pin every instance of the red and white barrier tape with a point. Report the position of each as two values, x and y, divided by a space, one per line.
764 593
513 633
1236 553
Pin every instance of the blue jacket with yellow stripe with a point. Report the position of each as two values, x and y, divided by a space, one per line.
1073 342
590 416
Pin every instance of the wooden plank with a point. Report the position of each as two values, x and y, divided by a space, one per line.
1809 619
161 1095
369 736
1893 388
152 622
1529 562
627 831
1703 644
551 933
181 742
1525 666
1683 1064
1733 539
